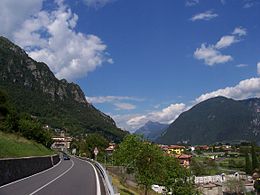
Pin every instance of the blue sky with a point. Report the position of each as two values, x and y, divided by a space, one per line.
140 60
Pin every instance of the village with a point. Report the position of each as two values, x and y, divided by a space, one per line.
213 166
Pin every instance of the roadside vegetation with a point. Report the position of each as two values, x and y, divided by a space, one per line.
245 159
13 145
15 127
85 146
150 165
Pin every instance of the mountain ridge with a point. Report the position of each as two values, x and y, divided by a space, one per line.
151 130
215 120
35 89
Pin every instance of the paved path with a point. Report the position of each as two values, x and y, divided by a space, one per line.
69 177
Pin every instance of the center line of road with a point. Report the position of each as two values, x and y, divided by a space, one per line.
53 179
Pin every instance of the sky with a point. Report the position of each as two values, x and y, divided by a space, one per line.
141 60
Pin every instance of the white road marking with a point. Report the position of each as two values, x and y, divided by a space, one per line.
17 181
53 179
96 174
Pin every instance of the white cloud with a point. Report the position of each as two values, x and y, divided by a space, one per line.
208 15
14 12
190 3
166 115
239 31
258 68
124 106
226 41
50 37
244 89
122 119
107 99
241 65
210 55
97 3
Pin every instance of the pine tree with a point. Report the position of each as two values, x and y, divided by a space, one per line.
248 165
255 163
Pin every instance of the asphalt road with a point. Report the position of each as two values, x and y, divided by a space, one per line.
69 177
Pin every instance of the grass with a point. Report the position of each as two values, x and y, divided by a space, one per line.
123 189
13 145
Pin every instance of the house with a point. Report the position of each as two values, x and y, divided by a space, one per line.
61 142
175 149
202 147
184 159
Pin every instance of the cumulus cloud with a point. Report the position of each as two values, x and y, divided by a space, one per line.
51 37
208 15
166 115
239 31
97 3
211 54
14 12
225 41
122 119
244 89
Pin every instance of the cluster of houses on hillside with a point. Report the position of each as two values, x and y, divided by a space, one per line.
182 153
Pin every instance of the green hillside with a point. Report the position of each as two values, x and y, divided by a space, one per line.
13 145
34 89
216 120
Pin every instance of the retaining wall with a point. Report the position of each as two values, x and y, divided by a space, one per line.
17 168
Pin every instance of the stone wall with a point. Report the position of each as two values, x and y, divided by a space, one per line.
17 168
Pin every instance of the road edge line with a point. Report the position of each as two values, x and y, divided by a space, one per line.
53 179
19 180
96 174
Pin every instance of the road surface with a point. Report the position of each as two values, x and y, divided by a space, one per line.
68 177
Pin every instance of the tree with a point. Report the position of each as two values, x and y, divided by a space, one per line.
235 186
96 140
255 163
150 166
3 107
32 129
198 168
176 179
149 163
248 165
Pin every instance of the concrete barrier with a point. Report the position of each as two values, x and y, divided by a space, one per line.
12 169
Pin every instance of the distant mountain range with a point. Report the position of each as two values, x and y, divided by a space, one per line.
151 130
215 120
34 89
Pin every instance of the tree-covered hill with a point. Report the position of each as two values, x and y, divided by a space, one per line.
216 120
34 89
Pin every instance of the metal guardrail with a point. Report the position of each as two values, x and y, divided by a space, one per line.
107 184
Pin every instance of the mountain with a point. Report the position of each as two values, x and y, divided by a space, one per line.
34 89
215 120
151 130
